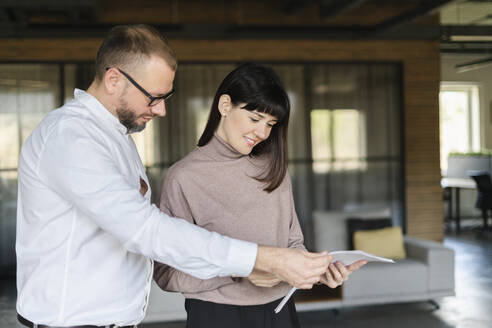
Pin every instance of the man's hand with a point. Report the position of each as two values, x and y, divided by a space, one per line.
337 273
297 267
263 279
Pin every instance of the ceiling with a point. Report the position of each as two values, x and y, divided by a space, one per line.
464 26
467 27
477 12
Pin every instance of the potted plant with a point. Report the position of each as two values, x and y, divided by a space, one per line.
460 163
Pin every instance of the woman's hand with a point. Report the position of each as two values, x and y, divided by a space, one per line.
263 279
337 273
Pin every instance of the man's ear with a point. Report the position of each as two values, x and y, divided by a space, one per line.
112 81
225 104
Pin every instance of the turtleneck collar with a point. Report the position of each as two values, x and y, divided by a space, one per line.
218 149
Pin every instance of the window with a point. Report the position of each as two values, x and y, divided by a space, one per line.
459 119
356 137
337 142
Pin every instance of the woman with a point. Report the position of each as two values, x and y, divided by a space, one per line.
236 183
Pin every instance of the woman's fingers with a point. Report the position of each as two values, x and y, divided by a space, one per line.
356 265
342 269
337 273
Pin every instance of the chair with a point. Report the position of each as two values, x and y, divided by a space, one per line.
484 188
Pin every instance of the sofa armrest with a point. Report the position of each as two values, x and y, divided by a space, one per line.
439 259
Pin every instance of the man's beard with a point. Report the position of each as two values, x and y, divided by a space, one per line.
128 119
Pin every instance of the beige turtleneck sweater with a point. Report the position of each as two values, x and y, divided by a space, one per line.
213 187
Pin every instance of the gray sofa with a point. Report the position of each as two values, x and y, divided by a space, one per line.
426 273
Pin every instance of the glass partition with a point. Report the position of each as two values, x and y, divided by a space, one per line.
345 131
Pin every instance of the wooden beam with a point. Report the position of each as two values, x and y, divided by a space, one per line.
329 9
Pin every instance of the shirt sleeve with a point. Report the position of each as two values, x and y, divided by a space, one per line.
174 202
296 238
76 163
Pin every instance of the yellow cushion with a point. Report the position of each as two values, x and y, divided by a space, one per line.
387 242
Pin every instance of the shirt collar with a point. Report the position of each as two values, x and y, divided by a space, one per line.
99 111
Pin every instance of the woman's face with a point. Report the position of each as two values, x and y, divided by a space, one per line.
244 129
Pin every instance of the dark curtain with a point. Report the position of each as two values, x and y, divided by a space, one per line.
27 93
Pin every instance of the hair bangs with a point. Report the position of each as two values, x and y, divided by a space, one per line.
275 103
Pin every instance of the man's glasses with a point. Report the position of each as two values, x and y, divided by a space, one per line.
153 100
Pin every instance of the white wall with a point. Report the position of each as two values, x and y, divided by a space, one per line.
482 76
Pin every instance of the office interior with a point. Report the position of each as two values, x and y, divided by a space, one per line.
389 99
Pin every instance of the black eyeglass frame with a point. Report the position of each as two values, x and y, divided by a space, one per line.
153 100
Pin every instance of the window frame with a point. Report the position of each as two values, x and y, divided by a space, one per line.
474 115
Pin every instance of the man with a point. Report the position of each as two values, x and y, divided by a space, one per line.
86 231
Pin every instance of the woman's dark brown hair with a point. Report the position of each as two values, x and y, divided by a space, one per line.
259 88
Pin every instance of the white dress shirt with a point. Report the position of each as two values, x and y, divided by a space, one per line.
86 237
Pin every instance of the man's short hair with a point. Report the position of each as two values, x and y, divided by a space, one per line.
127 46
